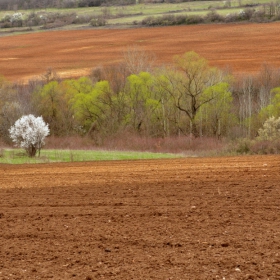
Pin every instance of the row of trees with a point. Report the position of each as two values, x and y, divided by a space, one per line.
43 4
189 98
46 19
262 13
49 20
55 19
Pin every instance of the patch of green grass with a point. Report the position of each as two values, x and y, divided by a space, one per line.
16 156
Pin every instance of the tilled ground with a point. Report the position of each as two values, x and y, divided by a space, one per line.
194 218
243 48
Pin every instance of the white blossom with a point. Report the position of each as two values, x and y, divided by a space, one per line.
16 17
270 130
29 133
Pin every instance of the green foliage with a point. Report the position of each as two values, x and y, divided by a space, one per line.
10 108
214 115
142 100
187 86
192 98
53 103
273 109
89 101
242 146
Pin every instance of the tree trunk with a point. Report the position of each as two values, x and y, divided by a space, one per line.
31 151
194 129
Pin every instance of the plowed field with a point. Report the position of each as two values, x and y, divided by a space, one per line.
241 47
207 218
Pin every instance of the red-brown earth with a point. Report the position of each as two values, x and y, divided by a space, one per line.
241 47
191 218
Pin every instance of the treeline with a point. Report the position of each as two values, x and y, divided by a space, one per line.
265 13
43 4
48 20
15 5
189 98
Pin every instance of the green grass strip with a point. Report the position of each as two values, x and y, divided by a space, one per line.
16 156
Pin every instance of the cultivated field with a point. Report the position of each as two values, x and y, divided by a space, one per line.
241 47
206 218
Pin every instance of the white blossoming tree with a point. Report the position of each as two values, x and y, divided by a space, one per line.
29 133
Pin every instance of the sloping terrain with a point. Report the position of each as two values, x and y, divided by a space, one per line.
240 47
207 218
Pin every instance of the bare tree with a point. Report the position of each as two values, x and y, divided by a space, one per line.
137 60
50 75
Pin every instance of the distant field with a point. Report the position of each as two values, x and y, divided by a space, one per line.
150 9
130 15
241 47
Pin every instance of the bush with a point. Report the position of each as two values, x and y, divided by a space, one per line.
150 21
83 19
98 21
270 130
6 24
29 133
194 19
243 146
266 147
259 16
268 141
181 19
167 20
232 17
213 16
246 14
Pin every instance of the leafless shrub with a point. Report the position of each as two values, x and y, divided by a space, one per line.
214 17
194 19
265 147
137 60
98 21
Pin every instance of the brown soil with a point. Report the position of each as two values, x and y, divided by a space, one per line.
207 218
241 47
